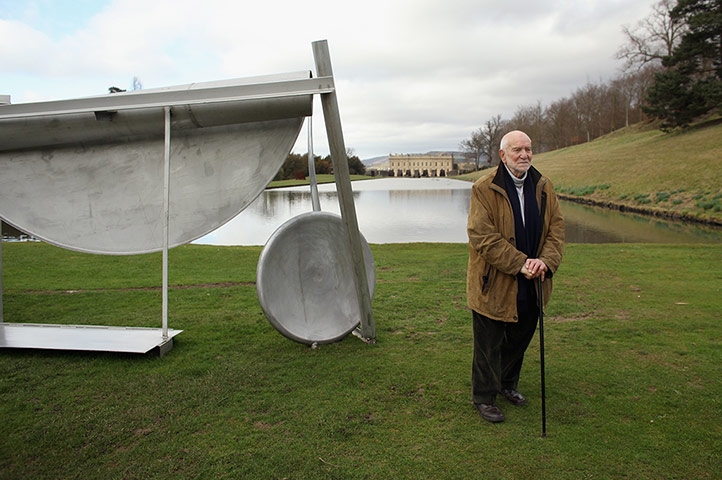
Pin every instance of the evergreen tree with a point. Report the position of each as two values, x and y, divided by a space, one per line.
691 84
356 166
296 166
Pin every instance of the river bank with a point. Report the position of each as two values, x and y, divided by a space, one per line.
668 214
652 212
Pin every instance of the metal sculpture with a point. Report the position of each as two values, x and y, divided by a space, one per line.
145 171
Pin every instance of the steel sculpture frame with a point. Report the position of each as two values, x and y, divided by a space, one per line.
258 100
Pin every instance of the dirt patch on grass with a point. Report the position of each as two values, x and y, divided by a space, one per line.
561 319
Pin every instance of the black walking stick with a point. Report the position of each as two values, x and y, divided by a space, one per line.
541 355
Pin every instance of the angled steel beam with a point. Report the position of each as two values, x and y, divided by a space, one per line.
343 188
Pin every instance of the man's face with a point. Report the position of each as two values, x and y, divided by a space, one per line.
517 155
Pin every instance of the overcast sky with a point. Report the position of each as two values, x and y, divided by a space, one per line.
411 75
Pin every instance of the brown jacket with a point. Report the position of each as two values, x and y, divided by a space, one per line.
494 261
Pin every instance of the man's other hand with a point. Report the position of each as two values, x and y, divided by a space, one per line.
533 268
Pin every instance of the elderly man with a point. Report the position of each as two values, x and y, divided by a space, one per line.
516 234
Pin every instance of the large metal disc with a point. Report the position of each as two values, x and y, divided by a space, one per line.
305 279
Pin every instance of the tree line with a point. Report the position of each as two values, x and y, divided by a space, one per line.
296 166
591 111
672 72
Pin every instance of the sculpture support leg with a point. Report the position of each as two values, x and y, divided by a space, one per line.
1 274
4 100
315 201
339 159
166 218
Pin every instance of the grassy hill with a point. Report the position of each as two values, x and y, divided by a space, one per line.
677 174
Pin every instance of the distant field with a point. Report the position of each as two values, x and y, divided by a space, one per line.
319 180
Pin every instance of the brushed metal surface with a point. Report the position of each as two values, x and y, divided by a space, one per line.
305 279
93 181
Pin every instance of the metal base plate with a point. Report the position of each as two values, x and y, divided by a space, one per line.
85 337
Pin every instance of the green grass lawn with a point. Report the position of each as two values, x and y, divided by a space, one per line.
633 354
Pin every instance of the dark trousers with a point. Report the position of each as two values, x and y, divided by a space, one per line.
498 354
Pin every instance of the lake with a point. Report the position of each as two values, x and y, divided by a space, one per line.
401 210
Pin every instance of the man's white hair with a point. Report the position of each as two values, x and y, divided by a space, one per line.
502 144
505 139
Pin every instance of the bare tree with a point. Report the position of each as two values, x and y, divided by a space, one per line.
585 108
560 118
653 38
626 87
474 146
491 134
485 141
632 87
642 81
530 120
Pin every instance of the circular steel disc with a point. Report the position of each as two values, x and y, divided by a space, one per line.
305 279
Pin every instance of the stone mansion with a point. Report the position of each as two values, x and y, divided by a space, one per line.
427 165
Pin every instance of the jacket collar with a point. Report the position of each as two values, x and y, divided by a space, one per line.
500 180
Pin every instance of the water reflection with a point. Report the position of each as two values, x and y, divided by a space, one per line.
12 234
400 210
388 211
587 224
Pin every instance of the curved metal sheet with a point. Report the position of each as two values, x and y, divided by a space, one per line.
94 127
108 198
92 181
304 279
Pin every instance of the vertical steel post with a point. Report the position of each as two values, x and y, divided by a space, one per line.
166 218
4 100
315 202
339 159
1 273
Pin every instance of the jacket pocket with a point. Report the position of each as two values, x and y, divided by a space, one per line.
486 279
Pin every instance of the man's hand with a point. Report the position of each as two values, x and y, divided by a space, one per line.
533 267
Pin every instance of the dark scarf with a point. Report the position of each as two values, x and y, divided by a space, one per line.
527 234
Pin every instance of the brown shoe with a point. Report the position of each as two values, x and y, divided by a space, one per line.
514 397
490 413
